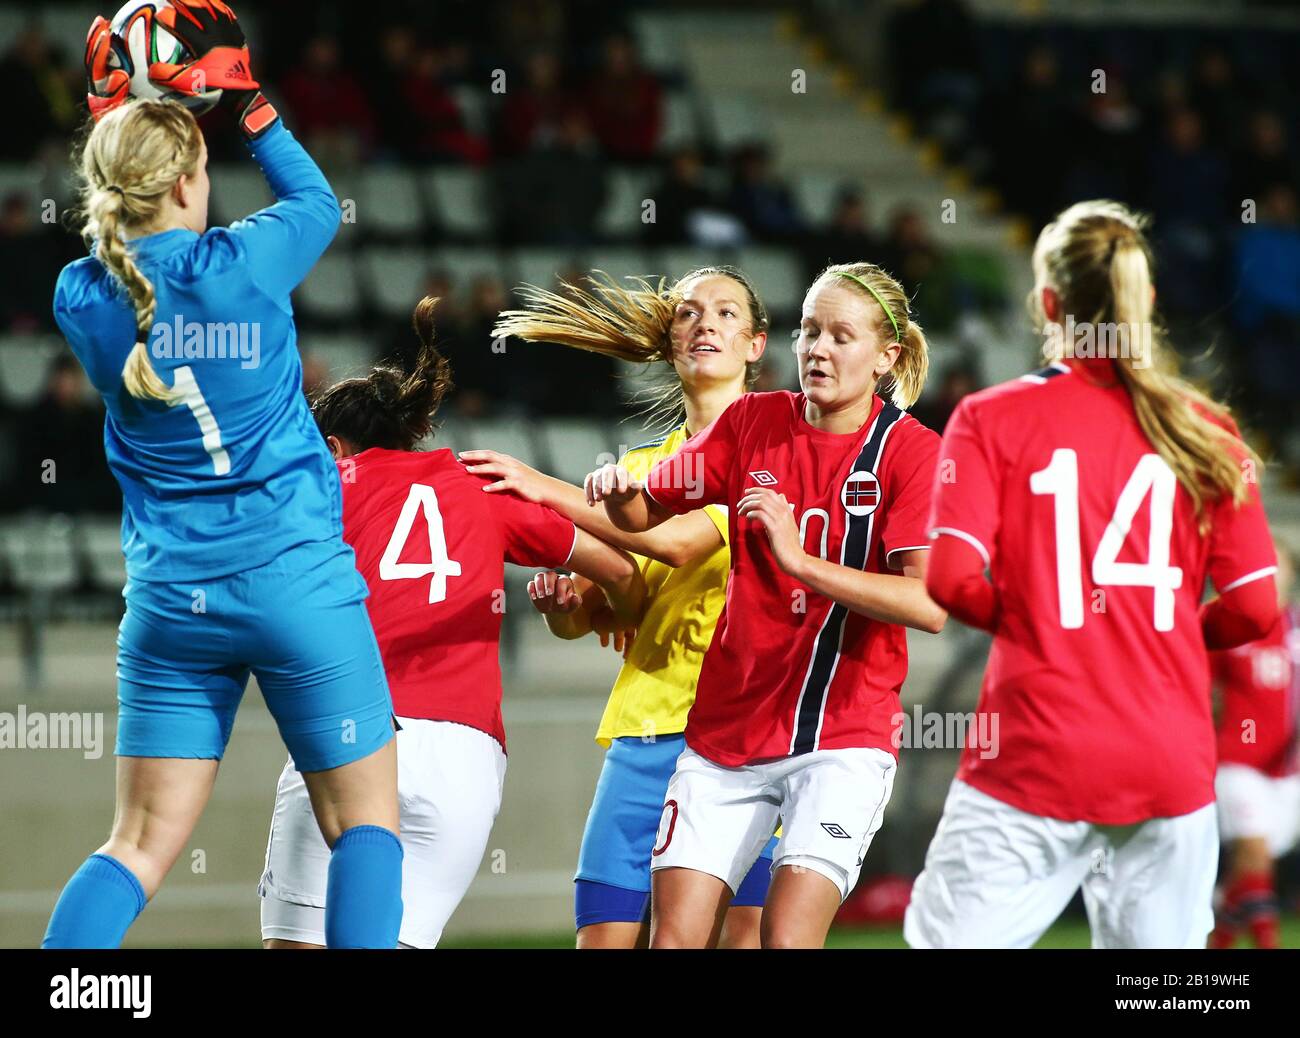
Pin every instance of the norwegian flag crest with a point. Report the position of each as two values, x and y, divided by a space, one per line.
860 494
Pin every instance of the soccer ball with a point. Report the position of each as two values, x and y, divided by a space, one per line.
140 38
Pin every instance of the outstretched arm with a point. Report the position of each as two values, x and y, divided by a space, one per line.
673 542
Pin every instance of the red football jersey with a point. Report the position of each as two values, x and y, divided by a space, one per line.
1098 674
1260 685
789 671
432 547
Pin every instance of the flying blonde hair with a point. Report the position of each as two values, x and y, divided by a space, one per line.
129 163
631 322
1096 256
907 377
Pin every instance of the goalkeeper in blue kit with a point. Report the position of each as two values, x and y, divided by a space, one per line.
231 521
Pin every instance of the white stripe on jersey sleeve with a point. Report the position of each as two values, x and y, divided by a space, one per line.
1259 574
964 536
906 547
573 547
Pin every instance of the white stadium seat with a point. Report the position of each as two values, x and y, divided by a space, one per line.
24 361
331 289
390 203
457 199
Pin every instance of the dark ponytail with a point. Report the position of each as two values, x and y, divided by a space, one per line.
389 408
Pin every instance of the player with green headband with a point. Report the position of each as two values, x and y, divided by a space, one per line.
827 493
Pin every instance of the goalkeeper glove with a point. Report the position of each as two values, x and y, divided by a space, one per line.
106 88
211 32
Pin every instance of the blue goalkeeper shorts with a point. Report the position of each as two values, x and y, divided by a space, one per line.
299 623
613 878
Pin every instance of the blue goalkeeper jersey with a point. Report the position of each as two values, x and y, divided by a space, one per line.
235 473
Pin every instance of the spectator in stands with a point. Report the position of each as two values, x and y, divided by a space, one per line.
625 103
1106 145
1187 183
1266 309
41 92
909 252
1266 158
534 110
1033 109
762 201
433 115
959 379
330 110
553 195
393 119
682 193
1215 94
847 236
61 466
31 256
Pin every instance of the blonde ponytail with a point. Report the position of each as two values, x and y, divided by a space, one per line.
629 323
906 379
1095 255
129 163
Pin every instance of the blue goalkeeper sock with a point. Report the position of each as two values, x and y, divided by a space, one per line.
97 907
363 898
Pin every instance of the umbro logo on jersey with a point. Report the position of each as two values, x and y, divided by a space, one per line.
835 830
861 493
763 478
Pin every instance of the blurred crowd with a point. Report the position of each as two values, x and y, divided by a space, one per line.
547 100
1199 126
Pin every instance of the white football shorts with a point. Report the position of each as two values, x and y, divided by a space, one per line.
830 803
449 783
1252 803
998 877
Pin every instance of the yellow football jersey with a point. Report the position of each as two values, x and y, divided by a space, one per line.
656 685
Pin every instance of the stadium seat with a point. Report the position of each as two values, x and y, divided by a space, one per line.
622 263
778 275
509 437
456 198
331 290
815 194
41 553
681 121
237 192
736 120
628 189
542 267
576 446
390 203
101 545
347 356
657 40
473 104
675 262
396 277
24 360
465 265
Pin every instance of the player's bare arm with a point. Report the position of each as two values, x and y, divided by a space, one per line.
881 596
628 506
675 542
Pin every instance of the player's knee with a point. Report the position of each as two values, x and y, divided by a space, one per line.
149 865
